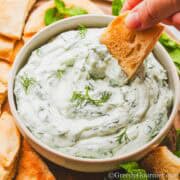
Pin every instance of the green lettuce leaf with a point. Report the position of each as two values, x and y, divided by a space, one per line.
173 48
117 6
60 5
133 171
75 11
52 16
60 11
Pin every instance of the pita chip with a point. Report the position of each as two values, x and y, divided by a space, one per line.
31 166
9 148
6 47
15 13
85 4
35 21
4 72
17 48
6 107
128 46
164 162
26 38
3 94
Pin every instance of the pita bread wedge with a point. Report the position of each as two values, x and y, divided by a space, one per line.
6 47
6 107
31 166
35 21
15 13
128 46
85 4
26 38
9 148
4 72
3 94
162 161
17 48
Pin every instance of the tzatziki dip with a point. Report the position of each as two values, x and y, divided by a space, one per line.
74 97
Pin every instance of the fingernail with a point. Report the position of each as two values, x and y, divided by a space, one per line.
133 20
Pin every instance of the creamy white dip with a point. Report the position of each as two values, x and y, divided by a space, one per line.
73 96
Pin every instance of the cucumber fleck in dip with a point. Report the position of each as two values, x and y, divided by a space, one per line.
73 96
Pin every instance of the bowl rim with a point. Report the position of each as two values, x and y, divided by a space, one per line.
24 130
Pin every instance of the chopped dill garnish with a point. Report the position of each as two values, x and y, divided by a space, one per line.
59 73
82 98
123 136
82 31
27 82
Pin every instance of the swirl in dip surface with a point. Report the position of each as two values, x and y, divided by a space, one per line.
73 96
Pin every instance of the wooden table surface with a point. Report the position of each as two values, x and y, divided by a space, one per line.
66 174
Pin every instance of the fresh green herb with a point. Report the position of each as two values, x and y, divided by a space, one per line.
82 98
38 52
82 31
60 5
117 6
74 11
51 16
173 49
133 171
78 97
123 136
60 11
27 82
59 73
153 134
177 152
178 139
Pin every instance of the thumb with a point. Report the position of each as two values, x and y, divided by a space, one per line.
150 12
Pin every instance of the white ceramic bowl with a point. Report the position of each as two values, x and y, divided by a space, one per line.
75 163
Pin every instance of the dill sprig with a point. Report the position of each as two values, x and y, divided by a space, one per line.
27 82
59 73
82 31
82 98
123 136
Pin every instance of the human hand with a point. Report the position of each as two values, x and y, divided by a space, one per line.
146 13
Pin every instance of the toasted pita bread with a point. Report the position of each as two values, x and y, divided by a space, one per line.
14 12
8 174
162 161
35 21
6 107
10 145
85 4
128 46
27 38
6 47
3 94
17 48
4 72
31 166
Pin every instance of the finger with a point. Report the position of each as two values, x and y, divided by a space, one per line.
176 19
130 4
173 20
168 22
150 12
